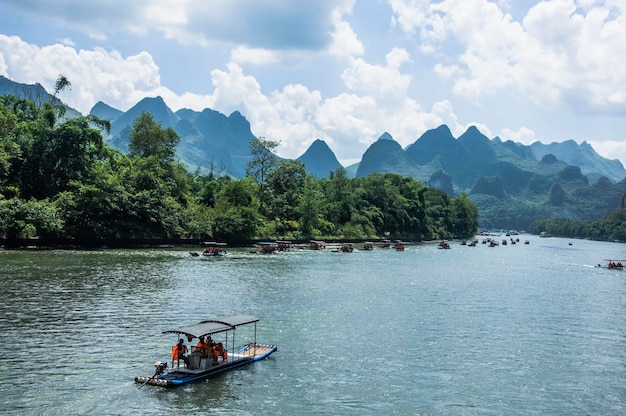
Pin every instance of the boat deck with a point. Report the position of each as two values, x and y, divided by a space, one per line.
249 352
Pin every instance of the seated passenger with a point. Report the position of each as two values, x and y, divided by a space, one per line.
200 345
220 351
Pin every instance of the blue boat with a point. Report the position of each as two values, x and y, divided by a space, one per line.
199 364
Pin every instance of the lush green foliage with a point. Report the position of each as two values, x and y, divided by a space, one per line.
610 228
59 179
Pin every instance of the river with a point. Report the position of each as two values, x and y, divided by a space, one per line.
524 329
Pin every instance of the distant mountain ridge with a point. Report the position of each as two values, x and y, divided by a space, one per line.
583 155
558 179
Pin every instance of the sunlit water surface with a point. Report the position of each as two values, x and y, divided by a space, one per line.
517 329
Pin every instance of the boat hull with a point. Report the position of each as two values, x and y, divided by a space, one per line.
178 376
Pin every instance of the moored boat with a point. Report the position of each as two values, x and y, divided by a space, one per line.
267 247
317 245
368 246
205 363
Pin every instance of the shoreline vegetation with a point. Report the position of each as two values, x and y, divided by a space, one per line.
61 184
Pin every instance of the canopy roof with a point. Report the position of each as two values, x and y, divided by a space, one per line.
212 326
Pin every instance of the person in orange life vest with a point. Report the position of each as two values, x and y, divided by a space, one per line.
206 347
178 352
200 346
220 351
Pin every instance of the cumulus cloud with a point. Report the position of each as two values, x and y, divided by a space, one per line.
103 75
377 100
386 83
562 50
349 122
523 135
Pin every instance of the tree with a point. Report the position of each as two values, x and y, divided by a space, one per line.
285 182
465 216
24 219
148 138
309 208
262 163
60 84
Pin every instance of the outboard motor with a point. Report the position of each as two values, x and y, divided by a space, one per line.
160 367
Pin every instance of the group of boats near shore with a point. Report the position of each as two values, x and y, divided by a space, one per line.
215 249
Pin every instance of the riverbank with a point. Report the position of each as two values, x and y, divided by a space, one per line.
76 244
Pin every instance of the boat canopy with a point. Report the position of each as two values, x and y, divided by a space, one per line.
212 326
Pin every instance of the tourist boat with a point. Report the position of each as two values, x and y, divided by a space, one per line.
317 245
340 248
443 245
211 249
398 245
267 247
614 264
347 248
284 245
201 366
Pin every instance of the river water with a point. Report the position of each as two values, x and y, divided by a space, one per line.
520 329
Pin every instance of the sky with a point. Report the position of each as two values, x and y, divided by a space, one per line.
344 71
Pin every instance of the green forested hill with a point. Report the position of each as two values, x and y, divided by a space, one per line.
611 227
59 179
512 184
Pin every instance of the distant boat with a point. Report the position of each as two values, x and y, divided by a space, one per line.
317 245
267 247
398 245
443 245
211 249
614 264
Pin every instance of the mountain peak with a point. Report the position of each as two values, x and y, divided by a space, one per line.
105 111
319 159
385 136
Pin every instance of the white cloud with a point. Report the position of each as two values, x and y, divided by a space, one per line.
610 149
562 52
295 115
95 75
345 42
523 135
385 83
254 56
